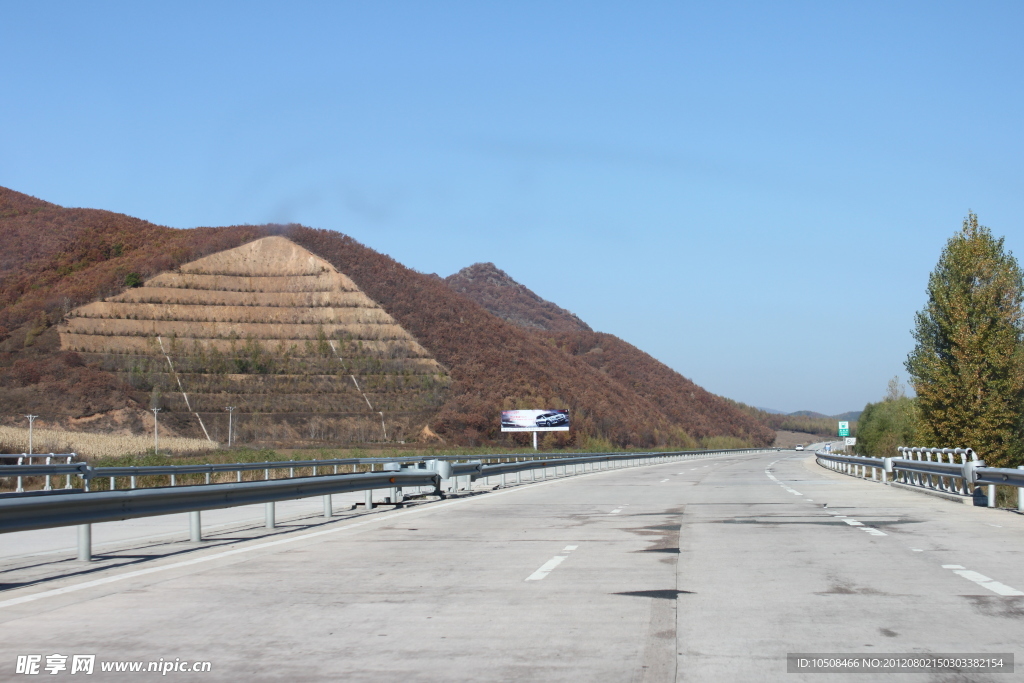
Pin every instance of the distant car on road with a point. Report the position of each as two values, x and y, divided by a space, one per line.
551 419
799 447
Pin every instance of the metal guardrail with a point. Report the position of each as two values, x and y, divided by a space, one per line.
134 472
918 468
25 460
30 512
34 510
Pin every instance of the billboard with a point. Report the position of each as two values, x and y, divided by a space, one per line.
535 420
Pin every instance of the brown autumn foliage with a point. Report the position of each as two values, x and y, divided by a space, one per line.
698 411
701 413
493 289
55 258
60 258
496 364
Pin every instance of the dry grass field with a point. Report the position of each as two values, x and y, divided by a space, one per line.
86 445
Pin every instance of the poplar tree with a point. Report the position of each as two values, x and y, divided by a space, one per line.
968 365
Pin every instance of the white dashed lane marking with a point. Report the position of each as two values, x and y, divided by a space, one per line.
852 522
550 565
615 511
983 581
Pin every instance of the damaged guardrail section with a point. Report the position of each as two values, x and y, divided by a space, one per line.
955 471
28 510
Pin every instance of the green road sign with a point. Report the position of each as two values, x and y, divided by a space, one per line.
844 428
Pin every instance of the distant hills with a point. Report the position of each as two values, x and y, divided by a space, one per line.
802 420
851 415
498 345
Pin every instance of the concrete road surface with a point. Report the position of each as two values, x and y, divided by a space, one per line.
707 570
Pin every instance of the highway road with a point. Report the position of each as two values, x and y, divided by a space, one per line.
708 570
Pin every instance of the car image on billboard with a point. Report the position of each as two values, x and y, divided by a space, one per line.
535 420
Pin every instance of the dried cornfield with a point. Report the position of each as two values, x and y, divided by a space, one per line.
15 440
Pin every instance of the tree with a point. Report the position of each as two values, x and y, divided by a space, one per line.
968 365
886 425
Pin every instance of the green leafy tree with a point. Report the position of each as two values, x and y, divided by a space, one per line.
968 365
889 424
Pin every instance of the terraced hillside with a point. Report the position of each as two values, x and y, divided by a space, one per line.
272 329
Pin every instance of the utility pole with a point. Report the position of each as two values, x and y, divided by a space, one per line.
31 419
231 413
156 435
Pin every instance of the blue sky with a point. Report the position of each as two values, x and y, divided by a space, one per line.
754 193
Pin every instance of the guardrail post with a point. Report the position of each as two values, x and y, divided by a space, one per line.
195 526
84 542
991 495
369 500
328 507
269 515
1020 494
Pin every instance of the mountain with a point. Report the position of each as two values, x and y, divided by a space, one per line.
700 413
111 276
493 289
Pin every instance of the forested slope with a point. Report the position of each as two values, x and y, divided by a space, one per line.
493 289
60 258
